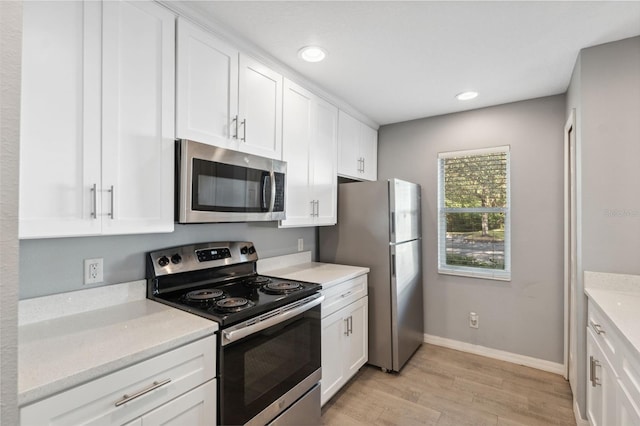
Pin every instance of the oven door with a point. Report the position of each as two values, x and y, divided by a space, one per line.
269 365
220 185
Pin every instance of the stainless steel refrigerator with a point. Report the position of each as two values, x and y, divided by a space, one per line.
379 227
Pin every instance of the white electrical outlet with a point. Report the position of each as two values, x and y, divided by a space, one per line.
300 244
474 320
93 271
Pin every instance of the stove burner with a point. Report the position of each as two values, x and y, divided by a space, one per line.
233 304
204 295
281 287
255 282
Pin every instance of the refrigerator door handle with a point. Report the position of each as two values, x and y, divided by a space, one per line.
393 224
393 265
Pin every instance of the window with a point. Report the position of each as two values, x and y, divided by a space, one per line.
473 213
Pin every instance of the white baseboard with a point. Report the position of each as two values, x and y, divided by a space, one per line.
540 364
576 413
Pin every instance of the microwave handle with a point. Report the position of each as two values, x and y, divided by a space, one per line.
273 190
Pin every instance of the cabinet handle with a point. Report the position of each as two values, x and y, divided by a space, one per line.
346 326
244 130
592 371
313 207
111 213
350 324
94 211
363 164
317 208
235 120
153 386
346 294
597 327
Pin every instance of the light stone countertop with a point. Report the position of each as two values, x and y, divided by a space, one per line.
58 353
618 296
300 267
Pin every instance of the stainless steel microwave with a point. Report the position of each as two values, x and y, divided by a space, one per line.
220 185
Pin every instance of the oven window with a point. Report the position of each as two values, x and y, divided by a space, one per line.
260 369
226 188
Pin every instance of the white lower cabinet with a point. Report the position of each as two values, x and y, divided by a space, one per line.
174 388
613 374
344 334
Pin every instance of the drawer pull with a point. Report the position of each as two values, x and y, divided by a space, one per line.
597 328
346 294
153 386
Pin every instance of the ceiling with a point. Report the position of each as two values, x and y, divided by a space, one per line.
395 61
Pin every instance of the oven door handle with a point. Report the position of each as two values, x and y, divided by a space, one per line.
234 334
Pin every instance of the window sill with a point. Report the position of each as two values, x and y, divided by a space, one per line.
504 276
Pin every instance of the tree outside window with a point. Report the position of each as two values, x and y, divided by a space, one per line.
473 199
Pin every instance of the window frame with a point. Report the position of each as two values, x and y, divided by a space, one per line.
471 271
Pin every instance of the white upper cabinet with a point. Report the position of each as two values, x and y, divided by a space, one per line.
137 117
96 148
206 68
225 98
357 149
310 150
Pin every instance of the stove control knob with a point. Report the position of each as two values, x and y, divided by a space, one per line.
244 250
252 250
163 261
176 258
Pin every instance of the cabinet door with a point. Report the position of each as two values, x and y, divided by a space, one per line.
369 152
206 87
348 146
334 328
260 109
357 341
297 137
324 158
138 117
60 119
628 412
194 408
601 385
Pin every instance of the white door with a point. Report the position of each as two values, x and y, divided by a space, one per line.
297 137
138 110
357 340
349 159
60 120
195 408
260 109
206 88
334 328
324 162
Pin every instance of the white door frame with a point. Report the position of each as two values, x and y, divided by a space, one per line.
570 244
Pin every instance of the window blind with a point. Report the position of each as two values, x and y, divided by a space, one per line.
474 213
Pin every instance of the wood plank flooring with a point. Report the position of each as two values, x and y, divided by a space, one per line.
441 386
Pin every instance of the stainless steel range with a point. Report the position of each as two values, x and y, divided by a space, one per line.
269 344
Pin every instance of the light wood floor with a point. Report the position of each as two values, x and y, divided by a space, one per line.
440 386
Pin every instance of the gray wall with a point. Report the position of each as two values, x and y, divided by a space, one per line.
605 92
50 266
10 46
524 316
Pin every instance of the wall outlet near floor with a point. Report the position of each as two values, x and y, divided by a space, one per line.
300 244
474 320
93 269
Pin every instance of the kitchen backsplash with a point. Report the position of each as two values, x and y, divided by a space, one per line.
51 266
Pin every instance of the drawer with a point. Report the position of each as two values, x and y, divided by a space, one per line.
606 335
155 381
341 295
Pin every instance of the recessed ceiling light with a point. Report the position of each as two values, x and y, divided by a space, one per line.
466 96
312 53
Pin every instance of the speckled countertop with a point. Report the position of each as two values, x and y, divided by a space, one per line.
59 352
300 267
618 296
